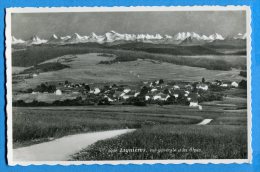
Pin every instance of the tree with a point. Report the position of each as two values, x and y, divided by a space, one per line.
161 81
51 89
243 84
87 88
144 91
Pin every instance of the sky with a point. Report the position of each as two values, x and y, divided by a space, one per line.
226 23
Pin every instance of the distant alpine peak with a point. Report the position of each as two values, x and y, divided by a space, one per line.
54 36
216 36
240 36
17 41
112 36
36 40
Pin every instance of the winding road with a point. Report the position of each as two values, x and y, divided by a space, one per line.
61 149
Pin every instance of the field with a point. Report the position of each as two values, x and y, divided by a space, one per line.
164 127
87 68
172 142
170 123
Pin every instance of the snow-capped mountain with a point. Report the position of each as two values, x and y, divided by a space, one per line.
115 37
240 36
216 36
17 41
35 40
184 35
54 39
76 38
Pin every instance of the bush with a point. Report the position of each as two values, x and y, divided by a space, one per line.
243 84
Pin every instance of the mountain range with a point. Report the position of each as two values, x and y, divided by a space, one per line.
182 38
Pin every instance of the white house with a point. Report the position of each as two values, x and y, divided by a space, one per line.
161 96
204 87
147 98
35 75
127 90
234 84
126 96
153 90
58 92
194 104
136 94
96 91
176 87
176 95
224 85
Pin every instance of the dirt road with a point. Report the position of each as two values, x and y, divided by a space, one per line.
61 149
205 122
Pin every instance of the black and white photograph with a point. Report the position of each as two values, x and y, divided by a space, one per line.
122 85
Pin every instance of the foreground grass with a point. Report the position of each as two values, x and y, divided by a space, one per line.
172 142
33 125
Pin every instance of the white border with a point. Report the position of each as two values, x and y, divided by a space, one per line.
9 11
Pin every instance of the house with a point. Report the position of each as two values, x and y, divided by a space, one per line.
109 99
127 90
234 84
176 87
188 87
136 94
224 85
193 99
176 95
117 94
186 93
161 96
147 98
194 104
153 90
96 90
34 75
202 86
127 96
58 92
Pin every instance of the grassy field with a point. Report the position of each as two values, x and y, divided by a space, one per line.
172 142
36 123
86 68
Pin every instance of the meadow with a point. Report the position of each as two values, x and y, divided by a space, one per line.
87 68
31 125
172 142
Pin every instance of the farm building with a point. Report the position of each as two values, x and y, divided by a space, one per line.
234 84
161 96
96 91
202 86
58 92
35 75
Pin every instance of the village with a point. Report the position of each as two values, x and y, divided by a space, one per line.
153 92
